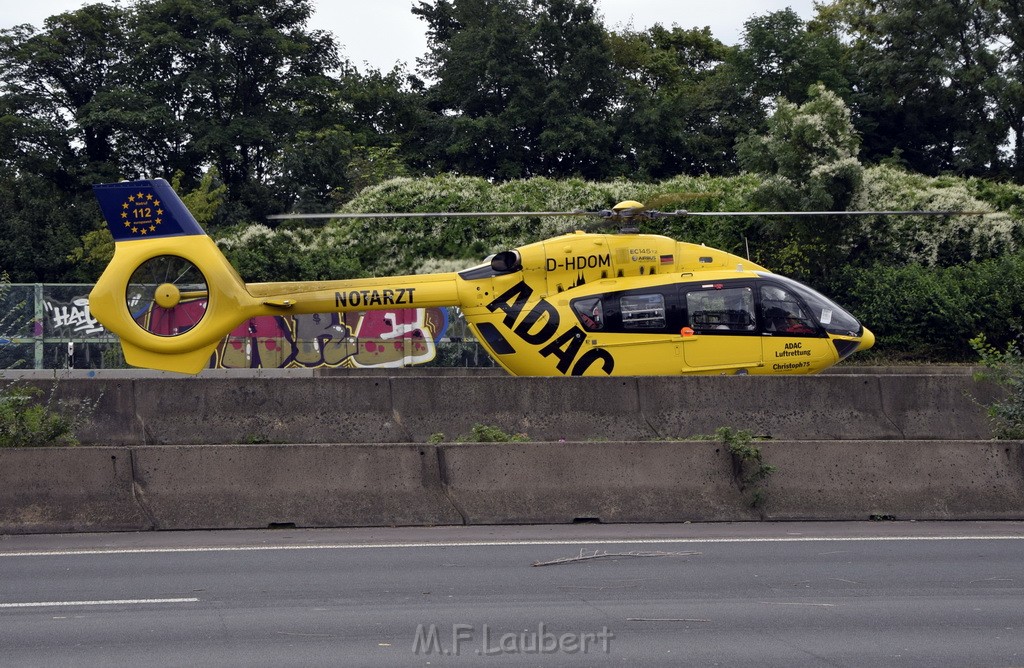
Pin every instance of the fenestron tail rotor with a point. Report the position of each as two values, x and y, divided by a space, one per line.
167 295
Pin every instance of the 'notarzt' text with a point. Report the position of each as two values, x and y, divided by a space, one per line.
385 297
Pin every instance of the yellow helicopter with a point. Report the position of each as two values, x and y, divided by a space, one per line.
580 304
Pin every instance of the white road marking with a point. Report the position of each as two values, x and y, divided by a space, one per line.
498 543
127 601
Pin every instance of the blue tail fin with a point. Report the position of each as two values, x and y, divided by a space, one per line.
144 209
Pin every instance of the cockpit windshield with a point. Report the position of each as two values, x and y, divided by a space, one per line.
830 315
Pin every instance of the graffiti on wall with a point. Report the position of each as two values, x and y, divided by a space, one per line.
371 339
72 318
381 339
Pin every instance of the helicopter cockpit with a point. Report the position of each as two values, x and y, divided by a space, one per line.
771 305
823 311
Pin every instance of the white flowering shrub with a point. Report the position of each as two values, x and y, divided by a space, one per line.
932 240
343 248
810 150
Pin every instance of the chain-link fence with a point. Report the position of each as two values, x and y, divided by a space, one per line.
49 326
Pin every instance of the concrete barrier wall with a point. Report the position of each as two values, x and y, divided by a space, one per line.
847 446
694 481
195 487
231 487
922 480
53 490
411 408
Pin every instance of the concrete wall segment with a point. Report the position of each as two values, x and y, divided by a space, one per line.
57 490
310 485
812 407
412 407
525 483
545 409
280 410
922 480
927 406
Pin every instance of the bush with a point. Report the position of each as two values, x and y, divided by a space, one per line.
489 434
931 313
1007 369
26 423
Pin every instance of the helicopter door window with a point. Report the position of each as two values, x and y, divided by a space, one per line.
783 313
643 311
719 309
590 311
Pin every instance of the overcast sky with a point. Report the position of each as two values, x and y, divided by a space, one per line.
384 32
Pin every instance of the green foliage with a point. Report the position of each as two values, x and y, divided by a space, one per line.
482 433
936 82
40 227
808 158
26 423
748 467
935 240
93 255
299 254
373 165
12 312
207 199
523 88
15 317
679 113
1005 367
782 56
930 313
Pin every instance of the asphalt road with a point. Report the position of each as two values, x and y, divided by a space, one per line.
844 594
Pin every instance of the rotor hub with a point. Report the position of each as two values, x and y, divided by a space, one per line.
167 295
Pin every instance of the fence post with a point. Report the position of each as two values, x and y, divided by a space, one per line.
38 325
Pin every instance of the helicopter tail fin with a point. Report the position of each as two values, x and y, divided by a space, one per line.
144 209
168 293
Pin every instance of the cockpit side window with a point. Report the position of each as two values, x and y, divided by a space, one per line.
823 311
783 313
720 309
591 313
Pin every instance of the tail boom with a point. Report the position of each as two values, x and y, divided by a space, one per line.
151 224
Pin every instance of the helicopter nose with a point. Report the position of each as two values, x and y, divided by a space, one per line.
867 339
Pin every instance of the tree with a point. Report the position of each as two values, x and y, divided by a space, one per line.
40 226
244 79
809 155
522 87
56 96
782 56
678 112
575 134
929 81
387 115
1008 85
58 135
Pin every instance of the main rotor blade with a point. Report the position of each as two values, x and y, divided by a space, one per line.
683 212
451 214
624 214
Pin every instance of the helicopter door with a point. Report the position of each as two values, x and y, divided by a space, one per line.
724 328
794 341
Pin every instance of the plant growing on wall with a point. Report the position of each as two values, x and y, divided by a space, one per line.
748 468
1006 368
